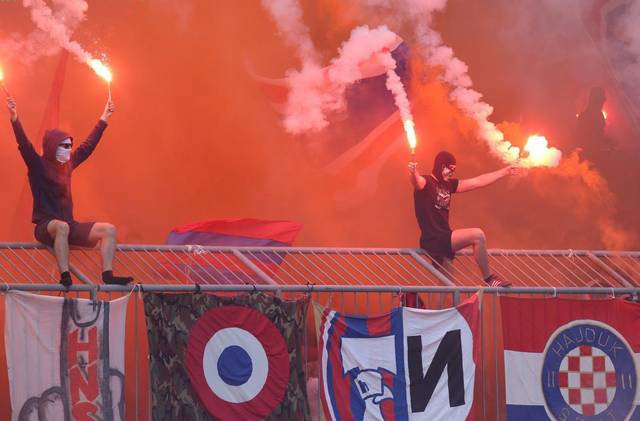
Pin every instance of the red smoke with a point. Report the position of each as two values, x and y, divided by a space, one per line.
194 138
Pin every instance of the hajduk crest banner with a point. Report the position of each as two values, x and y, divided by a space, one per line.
404 365
571 359
65 357
226 358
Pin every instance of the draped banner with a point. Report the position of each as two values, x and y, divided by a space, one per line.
571 359
227 358
65 357
405 365
231 232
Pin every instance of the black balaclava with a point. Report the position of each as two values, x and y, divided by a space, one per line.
443 159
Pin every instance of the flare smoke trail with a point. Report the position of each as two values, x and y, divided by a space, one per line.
394 84
289 17
419 15
55 29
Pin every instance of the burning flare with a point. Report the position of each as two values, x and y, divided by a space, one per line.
100 69
540 154
4 88
409 128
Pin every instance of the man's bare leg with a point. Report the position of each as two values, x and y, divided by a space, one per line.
59 232
106 234
475 238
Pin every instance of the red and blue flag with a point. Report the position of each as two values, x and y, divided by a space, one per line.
225 267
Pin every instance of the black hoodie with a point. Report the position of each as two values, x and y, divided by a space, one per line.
49 179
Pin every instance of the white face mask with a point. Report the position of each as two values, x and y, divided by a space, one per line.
63 155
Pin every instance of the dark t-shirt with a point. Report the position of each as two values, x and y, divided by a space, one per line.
432 207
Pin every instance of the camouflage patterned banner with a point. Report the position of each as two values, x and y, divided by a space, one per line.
226 358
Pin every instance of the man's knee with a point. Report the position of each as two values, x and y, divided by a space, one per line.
60 229
478 236
110 231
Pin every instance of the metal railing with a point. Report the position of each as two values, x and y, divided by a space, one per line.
351 280
187 265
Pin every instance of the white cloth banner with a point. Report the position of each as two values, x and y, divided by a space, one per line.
65 357
409 365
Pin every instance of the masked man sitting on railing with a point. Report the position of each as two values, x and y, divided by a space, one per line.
432 198
50 182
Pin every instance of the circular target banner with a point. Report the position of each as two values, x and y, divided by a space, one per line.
238 363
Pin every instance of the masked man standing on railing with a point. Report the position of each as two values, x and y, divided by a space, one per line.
50 182
432 197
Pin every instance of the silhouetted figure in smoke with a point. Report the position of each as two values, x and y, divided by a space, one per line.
432 198
590 129
50 182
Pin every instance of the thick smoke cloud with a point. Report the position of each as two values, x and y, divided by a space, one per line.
55 26
198 137
417 17
318 92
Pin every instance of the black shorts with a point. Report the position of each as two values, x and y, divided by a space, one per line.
78 234
438 247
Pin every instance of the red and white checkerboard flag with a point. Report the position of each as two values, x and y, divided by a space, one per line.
571 359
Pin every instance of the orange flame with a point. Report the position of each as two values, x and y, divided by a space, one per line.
540 154
4 88
100 69
409 128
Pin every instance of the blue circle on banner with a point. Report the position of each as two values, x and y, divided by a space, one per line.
238 363
588 373
234 365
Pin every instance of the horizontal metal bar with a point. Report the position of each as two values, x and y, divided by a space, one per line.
190 248
282 250
5 245
317 288
526 252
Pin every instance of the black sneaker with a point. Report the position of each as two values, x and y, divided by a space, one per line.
65 279
109 278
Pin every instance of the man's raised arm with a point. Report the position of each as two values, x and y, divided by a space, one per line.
416 179
29 154
485 179
88 146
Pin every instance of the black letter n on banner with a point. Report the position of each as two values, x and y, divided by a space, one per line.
448 354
